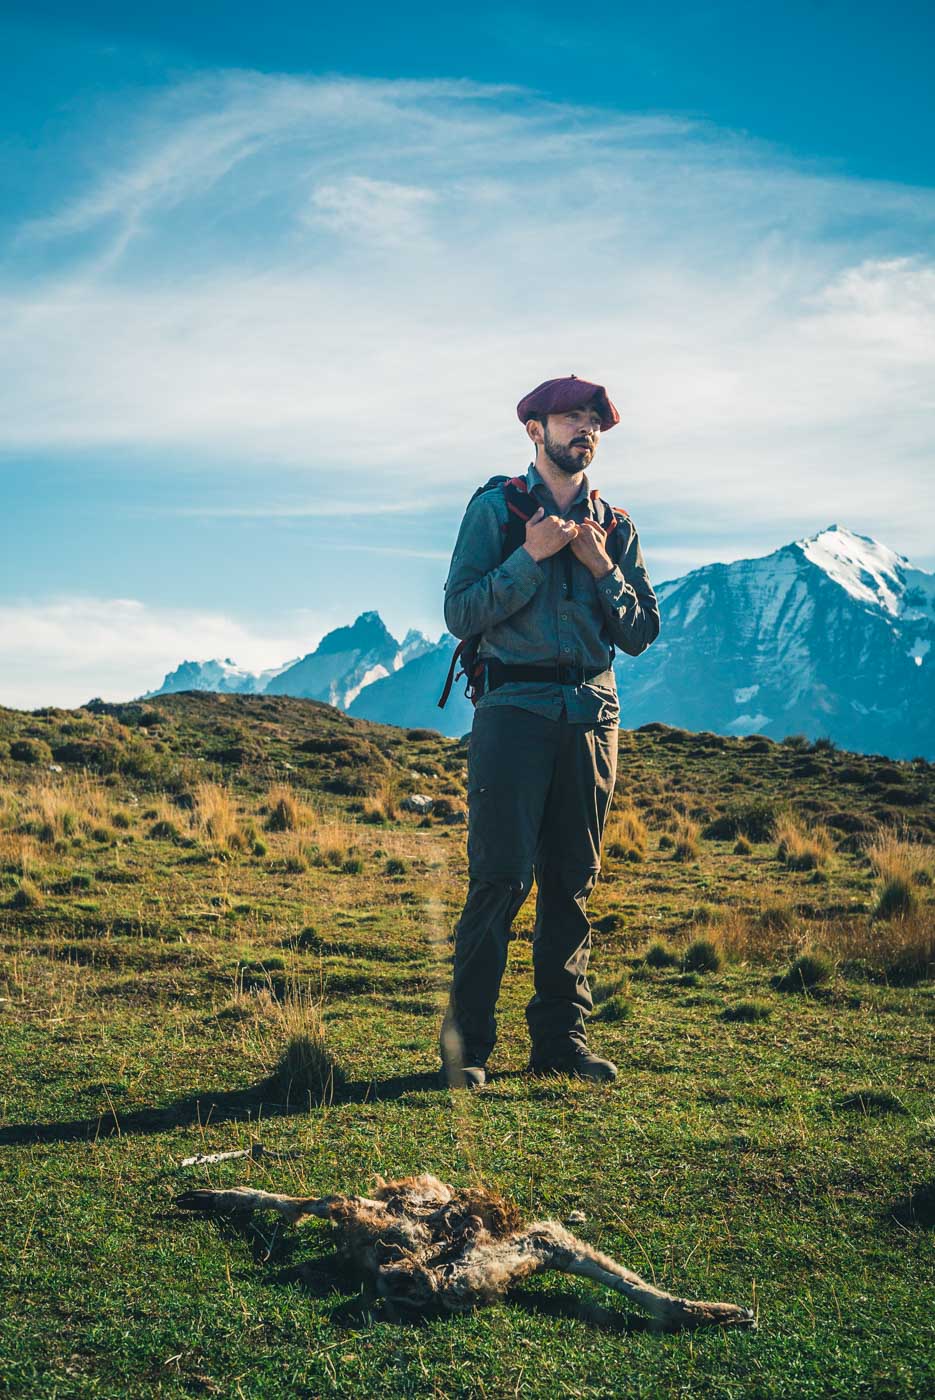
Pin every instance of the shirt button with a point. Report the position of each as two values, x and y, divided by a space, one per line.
564 617
566 648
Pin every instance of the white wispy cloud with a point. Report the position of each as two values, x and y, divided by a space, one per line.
65 651
319 275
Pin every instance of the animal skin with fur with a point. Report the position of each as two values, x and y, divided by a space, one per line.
431 1248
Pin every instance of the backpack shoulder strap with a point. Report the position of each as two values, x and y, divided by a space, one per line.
609 516
513 531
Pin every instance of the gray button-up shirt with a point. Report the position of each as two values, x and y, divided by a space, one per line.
527 615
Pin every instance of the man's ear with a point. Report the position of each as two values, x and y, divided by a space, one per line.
534 432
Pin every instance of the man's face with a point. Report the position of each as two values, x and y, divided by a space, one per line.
571 438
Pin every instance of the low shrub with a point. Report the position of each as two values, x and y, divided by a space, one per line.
742 846
32 751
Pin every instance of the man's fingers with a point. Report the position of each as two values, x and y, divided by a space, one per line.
534 519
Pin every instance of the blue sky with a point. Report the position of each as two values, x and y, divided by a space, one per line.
272 282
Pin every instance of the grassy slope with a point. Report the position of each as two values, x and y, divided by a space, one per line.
785 1162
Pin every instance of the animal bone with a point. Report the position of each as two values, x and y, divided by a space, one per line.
429 1247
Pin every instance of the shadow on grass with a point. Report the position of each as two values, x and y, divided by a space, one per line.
258 1101
915 1210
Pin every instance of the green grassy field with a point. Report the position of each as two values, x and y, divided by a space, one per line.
189 884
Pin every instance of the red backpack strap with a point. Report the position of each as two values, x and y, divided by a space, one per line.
610 516
517 498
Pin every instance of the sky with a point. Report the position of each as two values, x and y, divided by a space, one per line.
272 282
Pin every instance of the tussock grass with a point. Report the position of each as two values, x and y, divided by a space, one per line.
168 822
285 810
747 1012
658 955
701 955
27 895
215 816
687 836
902 868
799 847
285 1036
891 855
897 898
616 1008
626 836
900 950
805 973
295 857
112 1011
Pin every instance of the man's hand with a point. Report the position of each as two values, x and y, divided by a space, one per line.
588 546
547 534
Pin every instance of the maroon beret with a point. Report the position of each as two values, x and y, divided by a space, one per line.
562 395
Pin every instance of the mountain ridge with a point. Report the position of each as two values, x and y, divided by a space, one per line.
826 635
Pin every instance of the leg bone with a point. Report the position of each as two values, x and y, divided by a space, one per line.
291 1208
569 1255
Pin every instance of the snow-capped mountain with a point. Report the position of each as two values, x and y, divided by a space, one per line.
826 636
224 676
829 635
409 697
341 666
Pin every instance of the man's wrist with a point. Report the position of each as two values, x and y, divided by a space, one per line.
602 571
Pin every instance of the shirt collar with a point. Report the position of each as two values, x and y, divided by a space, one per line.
534 479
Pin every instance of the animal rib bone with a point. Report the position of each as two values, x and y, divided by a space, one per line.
429 1247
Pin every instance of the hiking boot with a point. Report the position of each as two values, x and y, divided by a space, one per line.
462 1077
576 1060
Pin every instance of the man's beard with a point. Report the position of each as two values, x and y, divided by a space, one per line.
566 458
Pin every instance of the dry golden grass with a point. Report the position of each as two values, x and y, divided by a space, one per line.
892 856
626 831
387 793
687 838
799 847
295 855
900 950
286 811
22 856
769 936
332 838
215 817
162 813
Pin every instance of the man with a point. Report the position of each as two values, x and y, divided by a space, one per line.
543 750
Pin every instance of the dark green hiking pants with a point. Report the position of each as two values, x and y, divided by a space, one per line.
539 791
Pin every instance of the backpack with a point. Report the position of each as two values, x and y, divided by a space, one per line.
520 509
